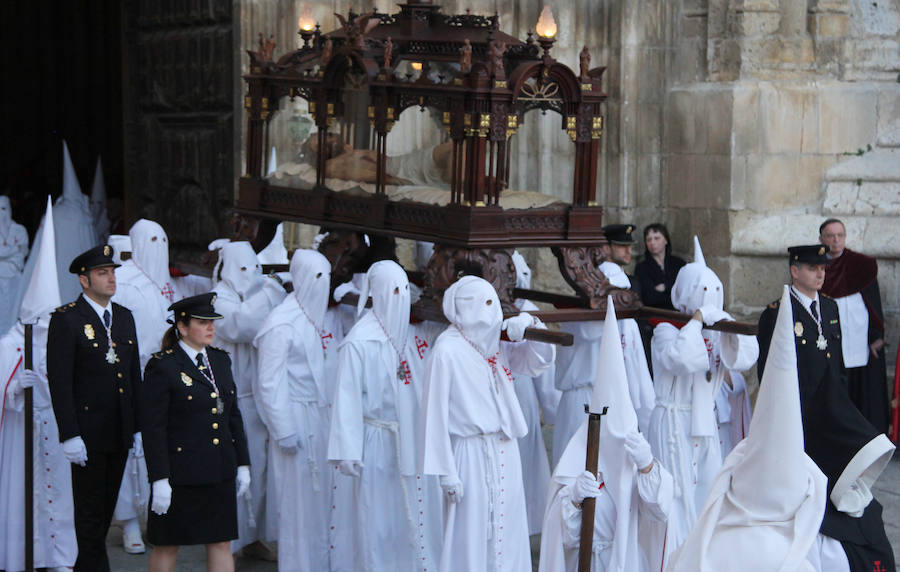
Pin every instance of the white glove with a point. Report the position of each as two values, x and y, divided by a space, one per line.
586 486
350 468
290 445
515 326
29 378
639 449
138 448
711 315
162 496
343 290
243 480
453 488
75 451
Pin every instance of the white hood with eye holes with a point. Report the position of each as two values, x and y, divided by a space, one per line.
697 286
150 251
240 268
471 304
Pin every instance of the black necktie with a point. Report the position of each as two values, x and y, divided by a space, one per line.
813 311
106 318
200 363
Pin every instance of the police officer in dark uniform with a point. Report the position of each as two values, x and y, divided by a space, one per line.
195 446
837 436
95 374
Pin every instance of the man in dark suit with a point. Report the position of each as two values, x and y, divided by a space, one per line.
849 450
94 372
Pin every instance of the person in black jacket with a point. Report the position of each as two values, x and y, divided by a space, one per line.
657 271
195 445
94 373
849 450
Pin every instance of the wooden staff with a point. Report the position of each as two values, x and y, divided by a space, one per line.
29 457
434 314
588 505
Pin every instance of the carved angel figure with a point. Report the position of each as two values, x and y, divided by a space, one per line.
496 50
584 59
465 56
357 29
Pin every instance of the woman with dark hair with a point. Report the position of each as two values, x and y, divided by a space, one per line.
657 271
194 441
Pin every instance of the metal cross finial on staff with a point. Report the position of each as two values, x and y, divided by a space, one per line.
589 504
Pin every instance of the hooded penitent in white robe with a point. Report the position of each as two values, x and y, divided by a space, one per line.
647 496
535 393
291 398
766 504
732 412
373 424
576 363
98 204
245 297
471 421
689 364
120 243
54 521
275 252
74 226
13 248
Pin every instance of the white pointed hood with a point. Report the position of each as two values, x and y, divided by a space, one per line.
5 214
150 251
696 285
119 243
767 502
616 469
386 282
311 276
274 252
273 163
523 271
73 226
239 268
98 203
471 304
42 293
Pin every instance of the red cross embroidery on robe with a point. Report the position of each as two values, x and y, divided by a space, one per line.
326 339
407 373
623 342
709 350
878 567
421 346
168 292
508 373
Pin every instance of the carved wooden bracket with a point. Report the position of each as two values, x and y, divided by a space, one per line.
579 268
449 263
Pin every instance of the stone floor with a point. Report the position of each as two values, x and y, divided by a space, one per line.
191 559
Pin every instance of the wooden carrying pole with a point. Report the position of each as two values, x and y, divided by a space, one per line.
29 457
585 548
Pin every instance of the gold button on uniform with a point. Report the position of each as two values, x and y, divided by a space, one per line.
85 407
121 390
214 410
190 397
213 395
215 425
828 354
216 441
119 375
178 449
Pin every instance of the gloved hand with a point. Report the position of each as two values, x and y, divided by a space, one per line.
515 326
162 496
711 315
290 445
350 468
586 486
453 488
639 450
137 448
243 480
343 290
75 451
26 378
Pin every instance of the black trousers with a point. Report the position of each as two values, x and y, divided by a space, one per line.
95 488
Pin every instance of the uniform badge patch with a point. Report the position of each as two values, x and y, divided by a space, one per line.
798 329
186 379
89 331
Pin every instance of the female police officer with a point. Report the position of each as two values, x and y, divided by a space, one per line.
194 440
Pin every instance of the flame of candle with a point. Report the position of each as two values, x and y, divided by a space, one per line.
546 25
416 66
306 22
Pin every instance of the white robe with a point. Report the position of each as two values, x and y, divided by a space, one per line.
683 433
561 537
576 368
471 422
13 248
535 393
54 520
732 412
234 333
292 400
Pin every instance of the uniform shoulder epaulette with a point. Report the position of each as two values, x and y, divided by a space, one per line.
217 349
65 307
157 355
825 296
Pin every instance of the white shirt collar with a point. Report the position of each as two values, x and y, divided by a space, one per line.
192 353
806 300
98 308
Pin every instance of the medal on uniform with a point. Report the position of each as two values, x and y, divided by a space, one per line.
820 342
89 331
186 379
798 329
708 375
401 373
110 355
